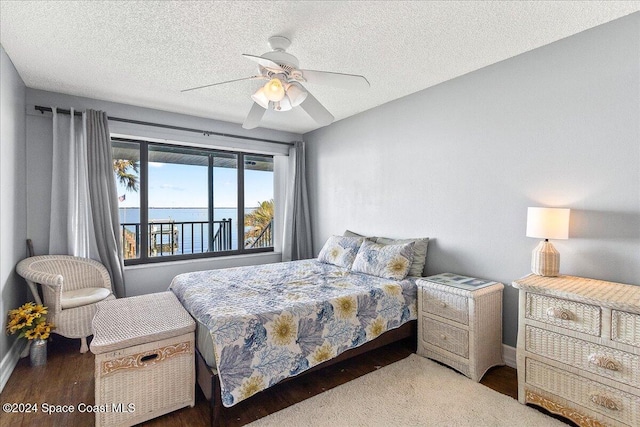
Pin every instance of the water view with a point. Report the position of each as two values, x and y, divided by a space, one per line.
180 184
181 230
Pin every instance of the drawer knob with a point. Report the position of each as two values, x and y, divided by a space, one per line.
605 402
605 362
443 304
559 313
443 337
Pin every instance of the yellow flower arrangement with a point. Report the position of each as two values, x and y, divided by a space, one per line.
29 321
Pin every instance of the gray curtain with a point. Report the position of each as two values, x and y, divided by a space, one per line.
296 242
104 198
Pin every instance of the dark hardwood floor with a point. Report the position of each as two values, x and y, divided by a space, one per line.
67 379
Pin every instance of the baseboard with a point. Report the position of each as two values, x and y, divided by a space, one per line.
509 356
10 360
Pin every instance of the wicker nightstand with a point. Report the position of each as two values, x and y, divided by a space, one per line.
460 322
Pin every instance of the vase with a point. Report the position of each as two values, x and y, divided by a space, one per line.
25 350
38 353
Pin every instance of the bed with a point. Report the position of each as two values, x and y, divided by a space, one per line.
261 325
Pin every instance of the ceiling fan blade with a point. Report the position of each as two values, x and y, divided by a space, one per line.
266 63
221 83
254 116
343 81
317 112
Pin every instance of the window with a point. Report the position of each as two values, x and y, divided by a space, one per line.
180 202
258 201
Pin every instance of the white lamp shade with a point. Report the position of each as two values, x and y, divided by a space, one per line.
283 105
260 98
273 90
296 94
548 223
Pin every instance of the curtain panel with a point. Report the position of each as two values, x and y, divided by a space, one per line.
70 218
84 212
296 242
103 198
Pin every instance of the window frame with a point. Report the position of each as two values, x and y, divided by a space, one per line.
145 257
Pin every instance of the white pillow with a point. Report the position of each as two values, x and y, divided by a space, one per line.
386 261
419 252
340 250
349 233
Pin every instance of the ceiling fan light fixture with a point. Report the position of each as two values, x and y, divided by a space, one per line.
260 98
296 93
283 89
273 90
283 105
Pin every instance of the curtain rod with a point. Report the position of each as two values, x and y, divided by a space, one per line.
159 125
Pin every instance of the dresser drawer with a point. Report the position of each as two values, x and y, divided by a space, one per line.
447 337
614 364
608 401
625 327
444 304
571 315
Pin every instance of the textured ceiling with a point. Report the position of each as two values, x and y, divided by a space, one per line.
144 52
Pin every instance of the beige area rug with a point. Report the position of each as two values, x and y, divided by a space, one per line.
412 392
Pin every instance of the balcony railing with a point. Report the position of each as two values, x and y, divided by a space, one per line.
264 239
167 237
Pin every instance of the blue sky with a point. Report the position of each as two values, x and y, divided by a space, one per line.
174 185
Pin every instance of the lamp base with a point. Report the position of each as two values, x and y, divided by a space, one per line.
545 260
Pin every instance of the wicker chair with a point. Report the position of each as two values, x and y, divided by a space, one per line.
71 287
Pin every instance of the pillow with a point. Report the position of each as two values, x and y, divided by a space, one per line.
349 233
386 261
340 250
419 252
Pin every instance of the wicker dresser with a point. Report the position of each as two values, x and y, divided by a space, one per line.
579 349
460 322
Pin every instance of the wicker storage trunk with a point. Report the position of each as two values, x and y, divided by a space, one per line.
144 363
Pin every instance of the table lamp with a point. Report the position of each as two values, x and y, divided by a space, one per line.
547 223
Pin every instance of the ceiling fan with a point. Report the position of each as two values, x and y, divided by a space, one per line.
284 90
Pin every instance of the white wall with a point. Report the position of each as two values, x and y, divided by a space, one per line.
153 277
461 162
13 224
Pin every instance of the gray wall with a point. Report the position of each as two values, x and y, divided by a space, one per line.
13 205
461 162
153 277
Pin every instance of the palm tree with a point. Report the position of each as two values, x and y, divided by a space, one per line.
128 179
258 220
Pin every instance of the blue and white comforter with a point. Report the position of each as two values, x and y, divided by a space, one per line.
274 321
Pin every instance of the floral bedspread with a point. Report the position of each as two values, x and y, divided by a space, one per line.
275 321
